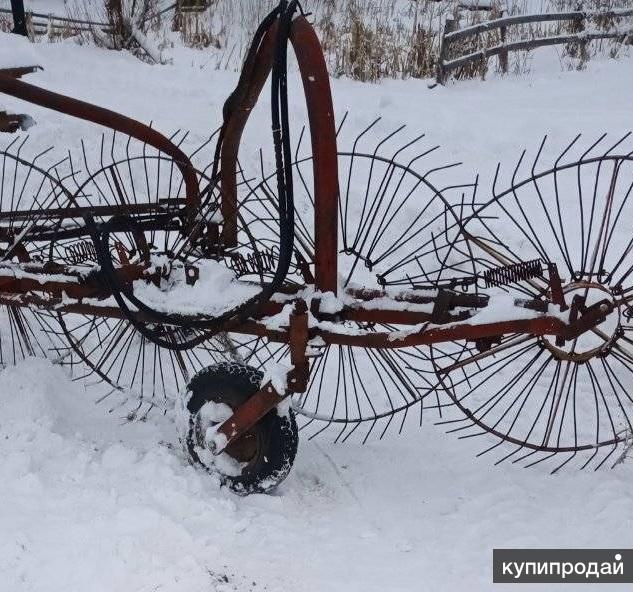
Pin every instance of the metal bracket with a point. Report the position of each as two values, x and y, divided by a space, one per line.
251 411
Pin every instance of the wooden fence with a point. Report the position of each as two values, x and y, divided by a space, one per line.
453 37
44 24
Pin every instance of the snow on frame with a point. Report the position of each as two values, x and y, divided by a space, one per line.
89 502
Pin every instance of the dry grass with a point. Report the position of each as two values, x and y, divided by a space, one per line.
363 39
6 23
576 55
123 17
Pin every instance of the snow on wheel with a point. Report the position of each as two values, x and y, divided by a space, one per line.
538 394
259 460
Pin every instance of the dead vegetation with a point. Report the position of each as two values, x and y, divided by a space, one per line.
362 39
365 40
120 25
369 40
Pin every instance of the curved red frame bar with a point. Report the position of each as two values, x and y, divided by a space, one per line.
113 120
316 85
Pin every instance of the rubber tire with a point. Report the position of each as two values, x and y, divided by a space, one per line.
233 383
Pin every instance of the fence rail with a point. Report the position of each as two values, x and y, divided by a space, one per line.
451 36
43 23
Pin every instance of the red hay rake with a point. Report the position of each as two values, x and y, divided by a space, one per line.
366 291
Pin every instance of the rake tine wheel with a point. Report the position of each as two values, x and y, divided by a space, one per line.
28 183
387 282
399 228
125 176
539 396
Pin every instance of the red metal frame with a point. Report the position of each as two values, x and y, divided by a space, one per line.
316 85
110 119
33 286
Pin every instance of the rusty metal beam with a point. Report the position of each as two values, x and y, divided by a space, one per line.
248 414
238 110
318 95
134 209
316 86
417 297
11 123
19 71
20 280
110 119
58 280
251 411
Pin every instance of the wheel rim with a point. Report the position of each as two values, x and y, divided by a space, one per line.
538 396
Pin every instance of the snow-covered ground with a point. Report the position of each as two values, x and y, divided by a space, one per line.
89 502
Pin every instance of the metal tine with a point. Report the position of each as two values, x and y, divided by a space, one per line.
469 425
561 227
377 201
449 421
566 150
609 238
370 177
325 426
349 175
303 234
369 431
299 141
32 165
585 154
341 123
563 464
45 192
202 147
509 455
626 445
482 433
413 256
339 437
430 243
490 449
607 457
108 394
586 464
355 426
382 227
543 458
537 157
386 428
527 455
617 143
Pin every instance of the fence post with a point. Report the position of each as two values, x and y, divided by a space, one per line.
584 56
503 55
19 18
449 25
114 10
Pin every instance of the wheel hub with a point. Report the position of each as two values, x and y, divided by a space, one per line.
242 450
596 341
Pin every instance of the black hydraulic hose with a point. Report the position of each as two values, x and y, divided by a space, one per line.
228 107
283 157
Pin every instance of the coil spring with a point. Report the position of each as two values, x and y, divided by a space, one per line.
81 252
259 262
515 272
